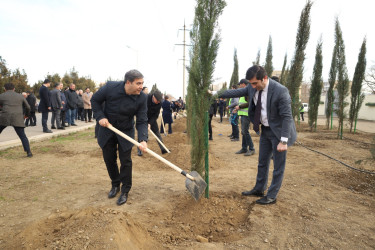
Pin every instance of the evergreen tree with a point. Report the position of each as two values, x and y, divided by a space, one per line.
4 74
205 45
342 79
283 71
234 79
19 79
331 81
257 60
316 87
357 97
268 66
296 70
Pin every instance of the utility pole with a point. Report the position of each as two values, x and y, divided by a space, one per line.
183 59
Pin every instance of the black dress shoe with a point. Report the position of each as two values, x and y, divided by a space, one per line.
61 128
253 192
122 199
29 154
47 131
266 200
73 124
113 192
140 153
53 127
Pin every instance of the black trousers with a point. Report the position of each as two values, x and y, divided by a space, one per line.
124 175
31 120
210 126
21 134
87 113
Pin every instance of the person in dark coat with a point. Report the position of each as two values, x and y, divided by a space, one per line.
63 110
153 111
11 114
80 106
72 104
31 100
167 115
222 105
123 100
45 104
56 107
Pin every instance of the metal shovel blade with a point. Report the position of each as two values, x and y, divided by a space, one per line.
196 187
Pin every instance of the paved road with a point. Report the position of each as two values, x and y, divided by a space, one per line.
9 138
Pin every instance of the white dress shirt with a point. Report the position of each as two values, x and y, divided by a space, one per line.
263 112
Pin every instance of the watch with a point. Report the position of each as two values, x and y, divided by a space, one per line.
283 142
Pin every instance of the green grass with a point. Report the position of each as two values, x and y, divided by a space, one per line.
2 198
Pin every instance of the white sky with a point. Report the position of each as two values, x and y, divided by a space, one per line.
52 36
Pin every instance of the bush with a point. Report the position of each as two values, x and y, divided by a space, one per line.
371 104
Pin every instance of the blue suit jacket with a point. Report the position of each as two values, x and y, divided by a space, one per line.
279 112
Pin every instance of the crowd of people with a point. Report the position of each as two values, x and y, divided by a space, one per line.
127 105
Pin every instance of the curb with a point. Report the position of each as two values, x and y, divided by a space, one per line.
36 138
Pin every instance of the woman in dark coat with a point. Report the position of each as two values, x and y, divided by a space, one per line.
167 115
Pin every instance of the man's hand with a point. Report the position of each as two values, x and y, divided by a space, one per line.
281 147
143 146
104 122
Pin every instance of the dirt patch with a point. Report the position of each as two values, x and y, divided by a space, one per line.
58 198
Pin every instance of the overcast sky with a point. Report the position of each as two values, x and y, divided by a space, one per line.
103 39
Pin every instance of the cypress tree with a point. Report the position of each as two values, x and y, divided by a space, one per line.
331 81
268 66
316 87
205 45
342 79
283 71
234 78
257 60
357 97
296 69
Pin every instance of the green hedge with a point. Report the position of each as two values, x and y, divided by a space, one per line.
371 104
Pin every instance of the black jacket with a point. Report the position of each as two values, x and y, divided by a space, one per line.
71 98
120 109
31 100
153 110
45 102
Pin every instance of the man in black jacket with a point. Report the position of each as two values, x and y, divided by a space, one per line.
31 100
153 111
45 104
123 100
72 104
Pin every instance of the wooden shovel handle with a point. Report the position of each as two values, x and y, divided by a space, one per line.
170 164
159 140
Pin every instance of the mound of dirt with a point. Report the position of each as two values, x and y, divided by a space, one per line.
99 228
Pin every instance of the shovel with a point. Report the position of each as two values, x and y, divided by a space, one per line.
194 182
157 138
162 123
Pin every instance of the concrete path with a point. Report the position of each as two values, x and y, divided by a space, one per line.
9 138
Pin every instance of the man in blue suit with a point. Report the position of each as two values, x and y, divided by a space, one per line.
270 108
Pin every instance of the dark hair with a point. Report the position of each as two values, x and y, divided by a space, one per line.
244 81
9 86
256 71
56 84
47 81
133 74
144 88
234 86
275 78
